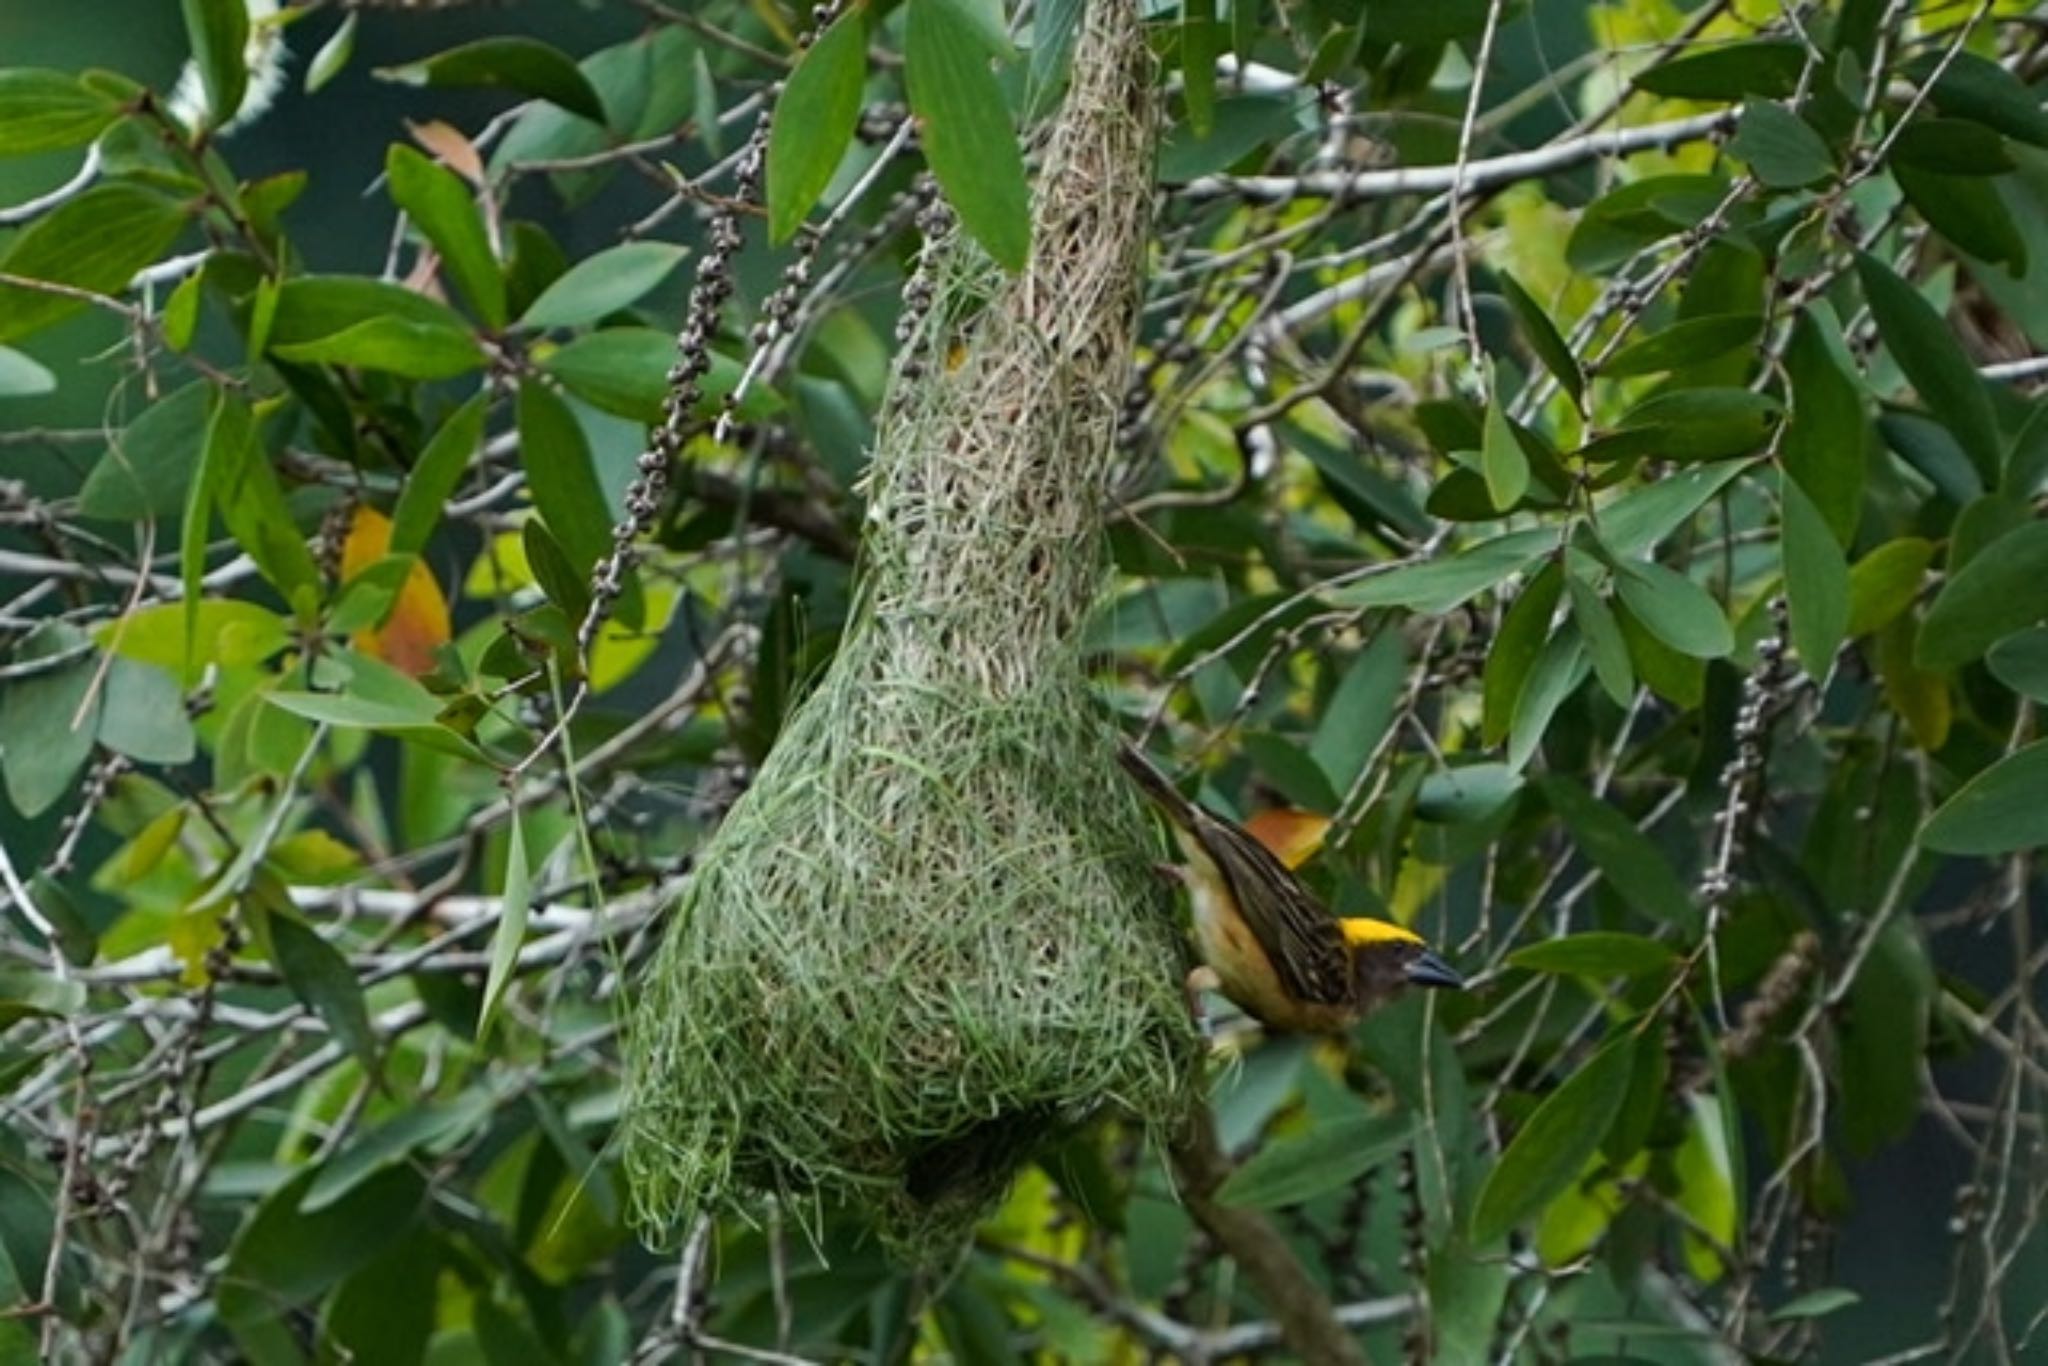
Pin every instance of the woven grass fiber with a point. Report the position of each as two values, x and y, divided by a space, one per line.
928 935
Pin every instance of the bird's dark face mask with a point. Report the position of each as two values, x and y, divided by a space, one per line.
1386 970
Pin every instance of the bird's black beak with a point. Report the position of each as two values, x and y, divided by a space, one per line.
1428 970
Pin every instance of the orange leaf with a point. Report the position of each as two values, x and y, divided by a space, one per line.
417 623
1289 834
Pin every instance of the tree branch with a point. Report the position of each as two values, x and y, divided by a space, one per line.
1351 187
1306 1318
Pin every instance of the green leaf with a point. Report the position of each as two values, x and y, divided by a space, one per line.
25 992
1501 458
228 430
624 371
969 140
561 478
1648 1092
1997 593
1781 149
1978 88
1728 71
514 902
48 718
1969 211
1675 609
181 311
283 1256
1884 583
310 307
1921 341
1555 1144
1602 637
1704 424
253 505
1816 580
523 65
377 1313
1687 342
1677 678
1360 710
1642 212
1556 675
94 242
1705 1170
1467 794
1632 865
1951 146
229 633
323 981
442 207
22 376
2021 663
1982 521
1435 587
1883 1035
333 55
46 111
1598 953
75 937
814 122
1244 124
381 717
435 475
557 578
1523 631
2002 810
1639 520
1327 1156
219 33
1816 1304
1201 40
430 1126
603 284
1826 442
144 715
148 469
1543 337
414 350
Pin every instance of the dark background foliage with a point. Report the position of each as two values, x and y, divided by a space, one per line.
1717 768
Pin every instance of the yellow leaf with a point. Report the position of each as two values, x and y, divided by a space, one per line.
619 651
1706 1191
192 936
418 622
314 856
149 846
1415 886
501 570
1575 1220
1920 697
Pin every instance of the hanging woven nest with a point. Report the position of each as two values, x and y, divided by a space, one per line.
928 936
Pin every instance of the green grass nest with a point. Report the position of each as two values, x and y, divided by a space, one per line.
926 938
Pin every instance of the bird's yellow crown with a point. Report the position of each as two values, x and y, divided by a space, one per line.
1362 930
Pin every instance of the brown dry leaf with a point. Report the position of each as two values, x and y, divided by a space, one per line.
449 145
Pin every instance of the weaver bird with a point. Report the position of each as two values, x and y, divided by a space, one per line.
1272 946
